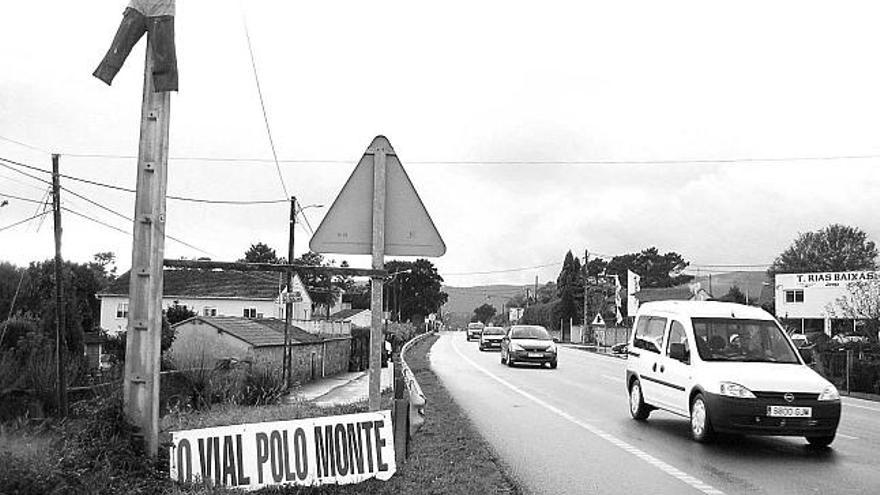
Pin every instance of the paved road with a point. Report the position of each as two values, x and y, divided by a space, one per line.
569 431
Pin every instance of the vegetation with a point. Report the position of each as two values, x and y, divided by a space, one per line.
836 248
260 253
484 313
735 295
570 291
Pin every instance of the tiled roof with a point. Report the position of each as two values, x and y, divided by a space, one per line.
678 293
345 314
256 332
210 284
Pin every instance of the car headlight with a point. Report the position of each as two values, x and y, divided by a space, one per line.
551 349
731 389
830 393
515 347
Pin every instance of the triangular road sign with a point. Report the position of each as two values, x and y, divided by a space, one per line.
348 226
598 320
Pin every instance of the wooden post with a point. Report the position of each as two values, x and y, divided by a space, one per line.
60 327
142 353
288 304
376 338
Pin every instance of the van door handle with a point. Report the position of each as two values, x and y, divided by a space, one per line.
654 368
662 368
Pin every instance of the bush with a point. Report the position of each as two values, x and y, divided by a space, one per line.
263 385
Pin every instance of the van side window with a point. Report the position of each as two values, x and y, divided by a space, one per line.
649 333
678 337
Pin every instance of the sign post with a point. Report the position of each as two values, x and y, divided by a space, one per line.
378 252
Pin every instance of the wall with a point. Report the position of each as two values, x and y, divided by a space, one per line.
322 359
225 307
199 344
362 319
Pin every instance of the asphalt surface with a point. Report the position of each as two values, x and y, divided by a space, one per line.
568 430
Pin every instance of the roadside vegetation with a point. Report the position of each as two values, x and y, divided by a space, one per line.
92 452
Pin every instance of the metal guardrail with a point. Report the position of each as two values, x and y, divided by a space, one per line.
417 399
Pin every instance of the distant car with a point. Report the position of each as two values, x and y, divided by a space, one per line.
474 330
800 340
849 339
491 338
528 344
619 348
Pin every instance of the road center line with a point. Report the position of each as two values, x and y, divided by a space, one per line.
666 468
848 404
846 436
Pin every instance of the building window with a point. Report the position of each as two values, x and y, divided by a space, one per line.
122 310
209 311
794 296
250 312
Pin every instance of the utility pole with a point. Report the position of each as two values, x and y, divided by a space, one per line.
287 365
141 384
378 253
60 326
536 289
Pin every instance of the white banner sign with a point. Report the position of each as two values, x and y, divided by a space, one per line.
314 451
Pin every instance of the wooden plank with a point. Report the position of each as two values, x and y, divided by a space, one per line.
272 267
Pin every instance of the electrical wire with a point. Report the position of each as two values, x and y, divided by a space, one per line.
502 271
28 200
247 35
24 145
23 221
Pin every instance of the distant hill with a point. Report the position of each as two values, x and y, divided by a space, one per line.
751 282
462 300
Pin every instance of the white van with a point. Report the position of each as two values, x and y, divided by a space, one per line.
729 368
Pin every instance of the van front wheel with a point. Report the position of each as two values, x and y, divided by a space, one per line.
701 428
637 407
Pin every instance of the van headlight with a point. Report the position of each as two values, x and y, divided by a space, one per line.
731 389
830 393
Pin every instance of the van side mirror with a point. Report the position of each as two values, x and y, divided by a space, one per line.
807 355
677 352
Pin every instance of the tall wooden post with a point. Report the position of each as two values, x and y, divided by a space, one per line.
142 353
288 304
376 338
60 310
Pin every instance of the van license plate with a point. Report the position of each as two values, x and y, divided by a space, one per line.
789 412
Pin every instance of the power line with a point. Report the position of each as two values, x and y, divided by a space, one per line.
128 190
23 221
670 161
247 35
501 271
28 200
24 145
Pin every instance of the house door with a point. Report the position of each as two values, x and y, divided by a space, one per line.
314 367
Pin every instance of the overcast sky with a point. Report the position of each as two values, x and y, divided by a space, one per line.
465 81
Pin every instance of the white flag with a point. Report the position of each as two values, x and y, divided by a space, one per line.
632 288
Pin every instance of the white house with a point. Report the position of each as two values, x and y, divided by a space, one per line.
811 299
212 293
357 317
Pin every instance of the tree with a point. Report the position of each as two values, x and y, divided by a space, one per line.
484 313
570 290
415 291
323 289
260 253
546 293
655 269
863 304
177 313
735 295
836 248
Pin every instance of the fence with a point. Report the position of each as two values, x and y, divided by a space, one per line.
324 327
851 368
609 336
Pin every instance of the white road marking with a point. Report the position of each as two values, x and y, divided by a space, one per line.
846 436
848 404
666 468
614 378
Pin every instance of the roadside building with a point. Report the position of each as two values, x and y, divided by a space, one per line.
212 293
356 317
809 302
687 292
201 341
93 348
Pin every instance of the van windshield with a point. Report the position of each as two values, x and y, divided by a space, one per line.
729 339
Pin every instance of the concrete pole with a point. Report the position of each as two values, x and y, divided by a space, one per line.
288 304
376 338
141 385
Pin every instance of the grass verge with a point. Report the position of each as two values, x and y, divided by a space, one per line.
95 455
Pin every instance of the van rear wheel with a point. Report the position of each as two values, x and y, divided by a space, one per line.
637 407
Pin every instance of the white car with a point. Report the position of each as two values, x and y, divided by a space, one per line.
729 368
